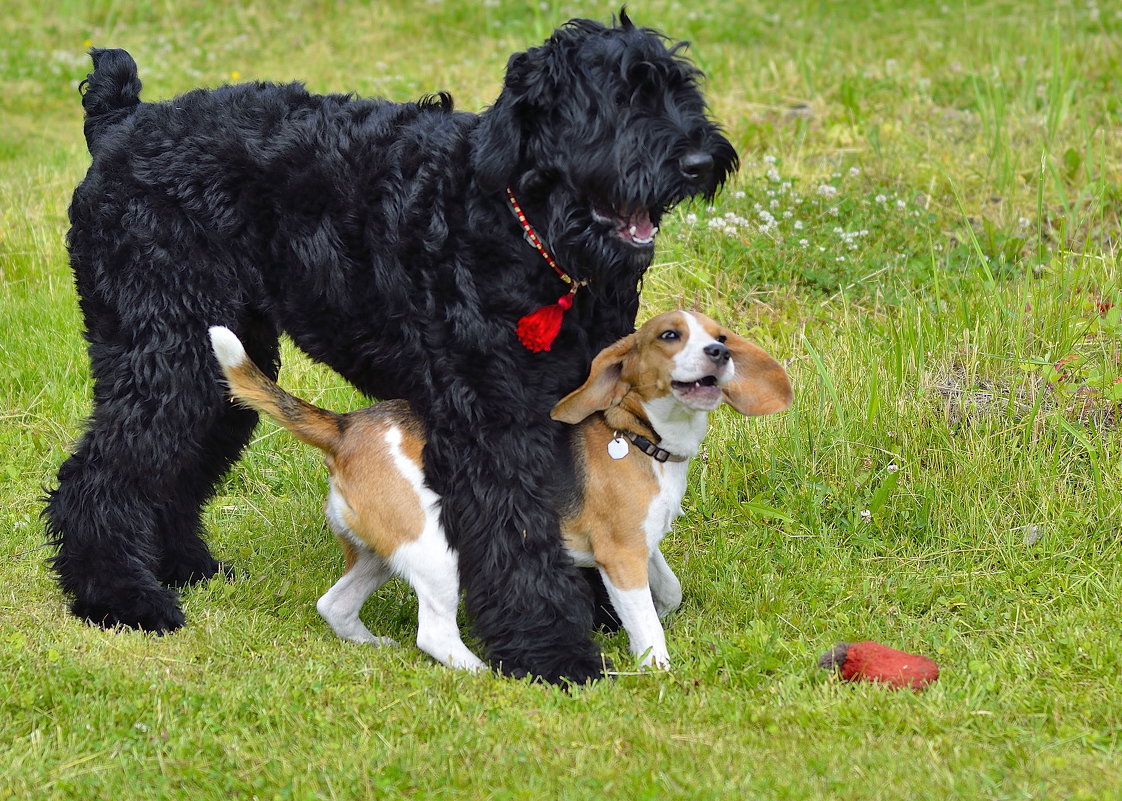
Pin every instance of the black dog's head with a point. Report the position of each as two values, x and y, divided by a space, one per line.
600 131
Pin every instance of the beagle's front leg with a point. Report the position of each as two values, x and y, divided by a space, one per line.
665 587
625 577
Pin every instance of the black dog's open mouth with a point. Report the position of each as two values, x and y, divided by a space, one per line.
633 226
703 392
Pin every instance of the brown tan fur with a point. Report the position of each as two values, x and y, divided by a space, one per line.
614 504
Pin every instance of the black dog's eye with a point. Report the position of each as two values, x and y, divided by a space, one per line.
722 338
668 335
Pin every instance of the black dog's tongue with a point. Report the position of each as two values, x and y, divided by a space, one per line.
638 228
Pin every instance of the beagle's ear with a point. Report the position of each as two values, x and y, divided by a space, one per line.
604 388
759 384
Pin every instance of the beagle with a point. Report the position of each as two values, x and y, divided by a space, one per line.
638 419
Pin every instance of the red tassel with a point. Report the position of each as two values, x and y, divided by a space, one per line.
538 329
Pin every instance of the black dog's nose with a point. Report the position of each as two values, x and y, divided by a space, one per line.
717 353
696 166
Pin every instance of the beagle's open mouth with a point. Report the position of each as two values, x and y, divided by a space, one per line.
703 393
633 226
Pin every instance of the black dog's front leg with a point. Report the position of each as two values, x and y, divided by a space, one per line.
529 604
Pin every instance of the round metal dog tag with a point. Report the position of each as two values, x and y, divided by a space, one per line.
618 448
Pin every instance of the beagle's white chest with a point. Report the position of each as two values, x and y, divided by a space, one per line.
666 505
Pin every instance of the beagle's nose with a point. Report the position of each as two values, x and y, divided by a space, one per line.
717 353
696 166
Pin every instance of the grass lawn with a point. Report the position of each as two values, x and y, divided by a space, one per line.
924 228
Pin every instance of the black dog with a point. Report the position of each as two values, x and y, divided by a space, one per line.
380 237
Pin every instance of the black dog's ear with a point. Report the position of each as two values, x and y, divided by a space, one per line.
496 145
499 140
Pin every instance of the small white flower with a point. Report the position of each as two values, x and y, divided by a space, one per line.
691 219
739 195
769 159
798 225
854 172
881 199
893 467
827 191
866 515
773 175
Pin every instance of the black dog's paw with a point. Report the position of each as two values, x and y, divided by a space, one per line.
570 669
155 610
585 671
186 573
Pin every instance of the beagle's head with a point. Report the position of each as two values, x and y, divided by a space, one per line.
684 357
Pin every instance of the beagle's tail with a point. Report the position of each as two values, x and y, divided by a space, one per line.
251 387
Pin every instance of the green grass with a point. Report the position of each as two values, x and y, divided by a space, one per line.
948 482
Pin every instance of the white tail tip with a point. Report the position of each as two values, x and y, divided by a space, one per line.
227 347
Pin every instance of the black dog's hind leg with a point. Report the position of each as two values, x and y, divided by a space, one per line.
125 514
105 532
185 558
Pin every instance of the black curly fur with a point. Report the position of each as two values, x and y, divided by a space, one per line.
377 236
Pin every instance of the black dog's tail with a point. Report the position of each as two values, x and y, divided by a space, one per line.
110 93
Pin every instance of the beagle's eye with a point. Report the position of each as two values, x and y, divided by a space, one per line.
722 338
669 335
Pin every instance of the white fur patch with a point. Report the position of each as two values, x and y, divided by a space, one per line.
227 347
431 568
636 611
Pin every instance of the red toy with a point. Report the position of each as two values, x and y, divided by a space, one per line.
871 661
